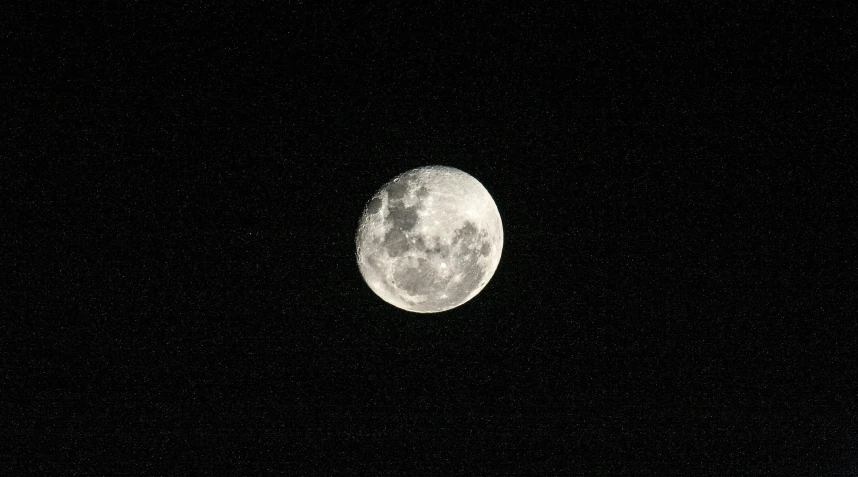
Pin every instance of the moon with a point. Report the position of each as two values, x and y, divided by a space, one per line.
429 240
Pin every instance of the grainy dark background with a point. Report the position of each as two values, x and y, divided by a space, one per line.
182 184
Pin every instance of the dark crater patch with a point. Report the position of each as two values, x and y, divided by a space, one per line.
396 243
486 249
417 281
403 218
397 190
468 231
422 192
373 206
434 246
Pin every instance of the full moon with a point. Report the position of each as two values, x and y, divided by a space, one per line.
429 240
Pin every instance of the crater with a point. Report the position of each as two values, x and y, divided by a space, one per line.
396 190
486 249
467 231
449 294
418 242
396 243
373 206
422 192
469 282
403 218
437 249
418 280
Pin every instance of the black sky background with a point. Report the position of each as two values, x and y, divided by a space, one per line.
676 294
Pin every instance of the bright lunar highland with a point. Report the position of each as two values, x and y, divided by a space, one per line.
429 240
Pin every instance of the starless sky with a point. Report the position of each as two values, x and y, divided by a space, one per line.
183 185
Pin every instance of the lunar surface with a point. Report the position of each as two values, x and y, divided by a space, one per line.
429 240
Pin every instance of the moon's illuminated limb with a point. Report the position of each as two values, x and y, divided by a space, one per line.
429 240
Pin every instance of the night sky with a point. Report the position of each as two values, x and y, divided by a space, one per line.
182 186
